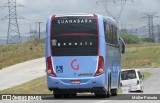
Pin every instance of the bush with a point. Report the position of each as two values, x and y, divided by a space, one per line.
148 40
130 39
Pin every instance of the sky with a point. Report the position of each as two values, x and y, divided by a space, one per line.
39 10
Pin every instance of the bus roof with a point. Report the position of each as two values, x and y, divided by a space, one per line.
73 14
85 14
82 14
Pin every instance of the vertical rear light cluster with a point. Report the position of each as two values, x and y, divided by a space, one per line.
100 69
50 71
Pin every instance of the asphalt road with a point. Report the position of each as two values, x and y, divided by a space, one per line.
21 73
152 84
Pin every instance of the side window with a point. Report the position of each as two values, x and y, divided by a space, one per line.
111 34
107 32
108 38
115 39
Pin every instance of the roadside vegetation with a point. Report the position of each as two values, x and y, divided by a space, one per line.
144 55
16 53
36 86
130 39
140 53
146 75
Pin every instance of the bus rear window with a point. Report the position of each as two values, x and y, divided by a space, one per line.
74 36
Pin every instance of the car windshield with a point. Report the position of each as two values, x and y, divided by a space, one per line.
128 74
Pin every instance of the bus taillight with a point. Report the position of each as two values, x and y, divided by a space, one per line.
100 69
50 67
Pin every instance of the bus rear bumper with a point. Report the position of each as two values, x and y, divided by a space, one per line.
79 90
89 84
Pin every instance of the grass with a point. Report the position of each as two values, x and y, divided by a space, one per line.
146 75
145 55
17 53
36 86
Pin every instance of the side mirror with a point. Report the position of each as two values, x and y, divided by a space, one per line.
142 76
122 45
121 84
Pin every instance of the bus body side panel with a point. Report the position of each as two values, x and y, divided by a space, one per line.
48 53
103 49
48 45
113 62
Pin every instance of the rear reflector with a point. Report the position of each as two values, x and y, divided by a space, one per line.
100 69
50 71
93 82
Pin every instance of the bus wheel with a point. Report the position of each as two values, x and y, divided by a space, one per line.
108 92
113 92
57 95
73 94
66 96
109 88
101 94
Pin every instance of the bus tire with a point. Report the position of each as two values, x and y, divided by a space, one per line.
108 92
57 95
114 92
66 96
109 87
73 94
101 94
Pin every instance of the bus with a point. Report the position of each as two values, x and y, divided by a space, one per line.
83 54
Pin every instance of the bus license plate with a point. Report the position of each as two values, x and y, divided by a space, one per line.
75 81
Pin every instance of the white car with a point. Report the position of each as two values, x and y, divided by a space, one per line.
131 80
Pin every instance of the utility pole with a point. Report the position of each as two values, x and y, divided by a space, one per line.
31 32
39 23
150 17
137 32
13 35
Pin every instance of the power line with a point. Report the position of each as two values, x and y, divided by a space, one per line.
13 35
105 5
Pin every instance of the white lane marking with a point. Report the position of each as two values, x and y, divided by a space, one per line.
103 101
